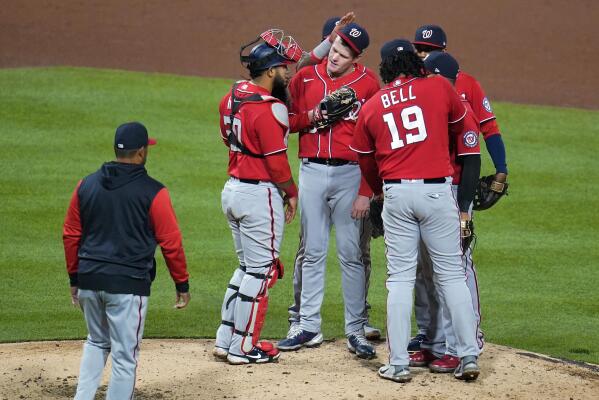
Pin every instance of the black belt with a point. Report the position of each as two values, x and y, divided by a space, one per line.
429 180
250 181
333 162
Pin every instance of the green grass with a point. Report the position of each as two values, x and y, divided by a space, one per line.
536 259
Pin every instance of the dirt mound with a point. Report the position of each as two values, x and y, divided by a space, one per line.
540 52
185 369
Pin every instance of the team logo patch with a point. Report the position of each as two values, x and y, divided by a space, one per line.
487 105
426 34
355 32
470 139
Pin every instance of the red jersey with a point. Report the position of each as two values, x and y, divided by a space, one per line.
406 125
261 126
470 90
307 88
470 143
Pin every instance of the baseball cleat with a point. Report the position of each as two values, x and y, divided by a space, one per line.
220 353
415 343
255 356
357 343
371 332
467 370
395 373
421 358
299 339
444 364
294 328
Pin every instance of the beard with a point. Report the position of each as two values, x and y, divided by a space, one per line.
279 89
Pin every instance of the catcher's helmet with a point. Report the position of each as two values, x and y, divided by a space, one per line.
263 57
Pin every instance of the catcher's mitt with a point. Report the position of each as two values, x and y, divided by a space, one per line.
488 192
467 233
334 107
376 218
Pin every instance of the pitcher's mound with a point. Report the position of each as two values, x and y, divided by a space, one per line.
185 369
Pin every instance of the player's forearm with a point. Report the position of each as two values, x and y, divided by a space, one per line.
496 150
71 236
168 236
299 120
468 180
370 172
280 173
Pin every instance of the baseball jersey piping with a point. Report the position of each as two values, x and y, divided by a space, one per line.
275 152
401 84
325 93
360 151
461 118
487 119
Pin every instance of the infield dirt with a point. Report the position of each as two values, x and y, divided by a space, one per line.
185 369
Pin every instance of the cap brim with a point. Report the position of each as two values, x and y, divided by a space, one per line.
152 141
349 42
429 44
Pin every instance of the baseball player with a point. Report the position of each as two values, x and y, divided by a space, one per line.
254 126
332 190
115 219
315 57
403 135
429 39
438 352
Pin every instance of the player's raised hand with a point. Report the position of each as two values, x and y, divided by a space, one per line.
182 300
291 209
346 19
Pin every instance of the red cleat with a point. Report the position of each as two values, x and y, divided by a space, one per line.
446 363
422 358
268 348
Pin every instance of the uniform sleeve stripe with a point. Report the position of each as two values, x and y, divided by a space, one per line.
469 153
487 119
276 151
361 151
459 119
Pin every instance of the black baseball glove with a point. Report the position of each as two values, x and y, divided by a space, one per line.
488 192
467 234
334 107
376 218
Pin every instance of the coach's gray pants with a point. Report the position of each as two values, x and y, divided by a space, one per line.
326 197
115 323
413 211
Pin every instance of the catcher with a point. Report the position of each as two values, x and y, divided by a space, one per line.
333 192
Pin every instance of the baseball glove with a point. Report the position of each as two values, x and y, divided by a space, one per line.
376 218
467 233
488 192
334 107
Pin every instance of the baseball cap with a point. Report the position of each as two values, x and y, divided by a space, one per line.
355 36
395 46
443 64
329 25
431 35
131 136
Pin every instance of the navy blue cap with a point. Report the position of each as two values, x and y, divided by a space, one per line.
355 36
329 25
263 56
132 136
431 35
395 46
442 63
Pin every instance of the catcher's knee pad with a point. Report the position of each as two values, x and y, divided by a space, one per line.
259 304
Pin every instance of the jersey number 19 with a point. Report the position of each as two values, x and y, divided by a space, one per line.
412 120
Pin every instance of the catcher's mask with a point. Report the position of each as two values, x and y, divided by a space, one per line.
275 49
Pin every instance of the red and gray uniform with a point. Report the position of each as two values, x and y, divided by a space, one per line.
403 137
116 218
255 131
440 336
329 182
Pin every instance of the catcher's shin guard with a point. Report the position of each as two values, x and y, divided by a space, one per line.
227 325
259 306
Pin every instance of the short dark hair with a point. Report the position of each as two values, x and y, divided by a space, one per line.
404 62
123 153
254 73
